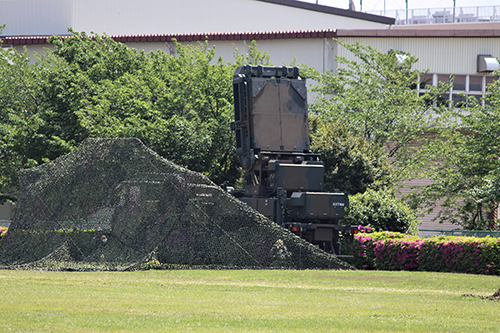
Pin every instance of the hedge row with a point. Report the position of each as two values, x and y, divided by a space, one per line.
396 251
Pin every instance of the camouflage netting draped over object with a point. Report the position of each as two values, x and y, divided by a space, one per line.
115 204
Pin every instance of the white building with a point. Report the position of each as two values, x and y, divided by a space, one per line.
468 54
283 28
133 17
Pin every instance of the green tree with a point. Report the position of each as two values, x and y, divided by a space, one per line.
21 107
92 86
40 100
382 211
181 107
352 163
253 57
375 96
466 173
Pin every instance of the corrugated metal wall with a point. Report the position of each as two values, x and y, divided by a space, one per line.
440 55
313 52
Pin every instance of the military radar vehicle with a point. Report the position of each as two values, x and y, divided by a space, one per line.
284 178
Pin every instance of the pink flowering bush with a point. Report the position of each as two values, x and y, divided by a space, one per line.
397 251
461 254
385 250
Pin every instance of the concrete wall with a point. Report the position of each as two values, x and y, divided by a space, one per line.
158 16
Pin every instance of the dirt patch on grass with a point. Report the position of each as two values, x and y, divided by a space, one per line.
372 278
494 297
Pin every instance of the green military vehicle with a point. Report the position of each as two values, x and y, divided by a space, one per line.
284 178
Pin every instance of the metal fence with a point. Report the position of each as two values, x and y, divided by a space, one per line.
442 15
424 233
5 223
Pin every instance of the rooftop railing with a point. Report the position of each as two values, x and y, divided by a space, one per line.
442 15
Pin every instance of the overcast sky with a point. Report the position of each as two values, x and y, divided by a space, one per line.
370 5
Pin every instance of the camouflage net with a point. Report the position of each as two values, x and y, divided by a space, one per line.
114 204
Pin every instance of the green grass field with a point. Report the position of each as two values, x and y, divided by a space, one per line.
246 300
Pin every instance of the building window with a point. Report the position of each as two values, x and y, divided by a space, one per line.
469 85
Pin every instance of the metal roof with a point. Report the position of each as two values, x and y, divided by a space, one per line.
263 35
188 37
333 10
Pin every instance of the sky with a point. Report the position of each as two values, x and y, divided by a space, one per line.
371 5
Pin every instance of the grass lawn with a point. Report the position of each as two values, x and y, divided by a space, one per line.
245 300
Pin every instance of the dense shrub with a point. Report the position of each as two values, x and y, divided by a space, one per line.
352 162
461 254
3 232
382 211
396 251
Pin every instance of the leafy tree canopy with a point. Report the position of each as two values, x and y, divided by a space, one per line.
466 172
374 95
92 86
253 57
352 163
380 210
